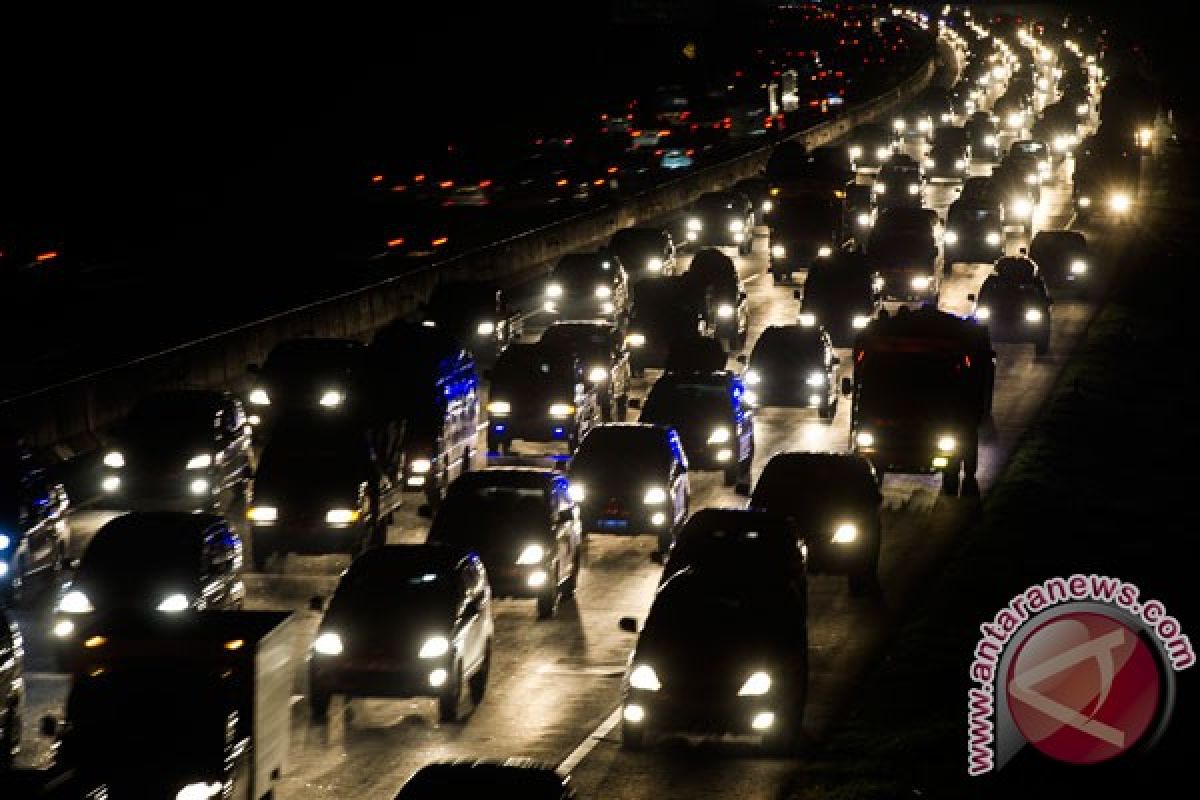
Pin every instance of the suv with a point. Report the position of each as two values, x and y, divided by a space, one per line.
794 365
539 394
601 349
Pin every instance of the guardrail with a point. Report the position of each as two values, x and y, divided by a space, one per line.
72 412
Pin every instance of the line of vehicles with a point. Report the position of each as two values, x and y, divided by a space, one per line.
335 435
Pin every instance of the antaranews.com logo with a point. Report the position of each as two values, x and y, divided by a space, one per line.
1080 668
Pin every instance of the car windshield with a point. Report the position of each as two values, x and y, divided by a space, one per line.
587 341
313 357
117 559
788 345
529 372
814 483
910 386
728 604
804 217
472 514
670 399
609 450
583 268
315 455
715 203
376 586
457 300
173 414
637 240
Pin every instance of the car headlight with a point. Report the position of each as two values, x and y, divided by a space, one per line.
200 791
635 339
1119 202
644 677
863 219
554 290
577 492
114 459
960 163
950 237
695 224
420 466
815 378
824 251
531 554
778 251
914 188
434 647
1022 207
198 486
845 533
328 644
1033 315
259 397
485 328
603 292
655 264
331 398
736 225
756 685
1062 143
718 436
992 238
654 496
880 187
1032 178
883 153
806 319
561 410
725 311
898 125
342 516
947 443
75 602
860 321
766 206
499 408
1082 109
989 140
855 152
920 282
930 163
1085 201
1015 119
174 602
752 377
1078 266
864 439
597 374
5 541
262 513
924 124
983 312
202 461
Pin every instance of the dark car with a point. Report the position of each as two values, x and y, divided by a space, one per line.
748 628
588 285
983 136
169 561
525 526
12 689
1062 259
903 249
632 478
692 352
322 487
714 421
429 379
858 211
869 146
601 349
794 365
803 229
900 184
1017 193
974 229
540 395
179 450
1014 304
410 620
477 314
834 501
713 276
947 162
729 540
841 295
34 526
663 310
913 122
310 374
724 219
647 252
514 777
758 191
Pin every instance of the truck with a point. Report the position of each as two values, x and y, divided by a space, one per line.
189 706
922 389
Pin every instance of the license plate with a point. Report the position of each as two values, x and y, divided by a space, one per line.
613 524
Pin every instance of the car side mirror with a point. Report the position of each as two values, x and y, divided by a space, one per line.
971 298
254 369
797 294
316 603
635 403
847 387
628 625
743 359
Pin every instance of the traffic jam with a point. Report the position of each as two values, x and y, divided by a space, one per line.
529 538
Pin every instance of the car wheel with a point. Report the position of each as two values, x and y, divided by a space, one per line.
318 706
478 682
950 482
571 584
731 475
622 407
1042 346
451 697
632 738
547 602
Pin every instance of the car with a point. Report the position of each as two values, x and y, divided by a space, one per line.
513 777
35 531
539 395
179 450
406 620
710 413
525 526
1062 259
758 190
632 478
645 250
899 184
601 348
1030 159
983 136
1014 304
12 679
430 379
693 352
664 309
587 285
947 161
748 627
1018 194
803 229
477 314
723 219
322 487
319 375
913 122
794 365
869 146
974 229
675 158
713 277
168 561
726 539
858 211
903 249
841 295
834 501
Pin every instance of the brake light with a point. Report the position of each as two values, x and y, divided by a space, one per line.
419 177
376 179
399 240
49 255
612 170
441 240
561 182
598 182
485 183
446 184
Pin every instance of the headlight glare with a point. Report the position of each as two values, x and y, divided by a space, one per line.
75 602
174 603
654 496
262 513
114 459
531 554
845 533
434 647
259 397
328 644
644 677
719 436
202 461
758 684
342 516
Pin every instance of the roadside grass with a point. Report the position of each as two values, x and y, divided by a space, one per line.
1103 481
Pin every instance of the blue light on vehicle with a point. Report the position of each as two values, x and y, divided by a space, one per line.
559 432
499 428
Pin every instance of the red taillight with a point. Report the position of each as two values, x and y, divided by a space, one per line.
441 240
690 152
49 255
485 183
446 184
612 170
418 178
635 134
399 187
561 182
399 240
664 133
598 182
376 179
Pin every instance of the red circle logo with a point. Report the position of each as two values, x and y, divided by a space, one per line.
1083 688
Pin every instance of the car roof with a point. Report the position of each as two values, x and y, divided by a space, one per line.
409 558
157 525
487 777
523 477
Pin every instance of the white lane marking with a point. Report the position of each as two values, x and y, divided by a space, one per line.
601 671
51 677
585 747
